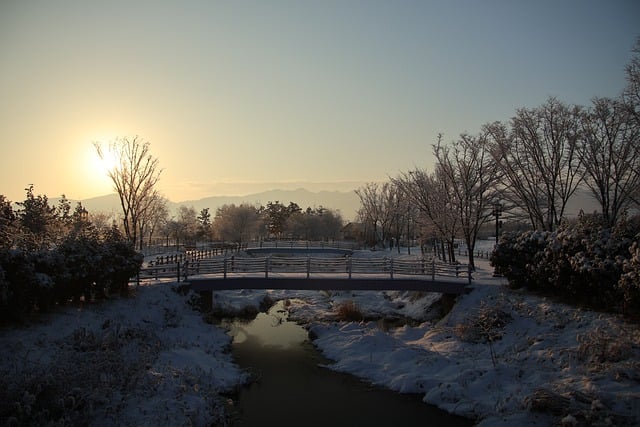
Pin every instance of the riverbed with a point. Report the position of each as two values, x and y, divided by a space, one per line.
291 383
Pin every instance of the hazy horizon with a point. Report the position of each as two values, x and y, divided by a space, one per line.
236 96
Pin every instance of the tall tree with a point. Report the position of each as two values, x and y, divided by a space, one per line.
631 98
186 225
538 159
37 220
204 224
277 215
431 194
473 176
7 223
377 209
610 153
154 215
134 178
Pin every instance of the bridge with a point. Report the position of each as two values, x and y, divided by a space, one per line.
335 273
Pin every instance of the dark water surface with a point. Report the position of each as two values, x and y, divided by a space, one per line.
291 389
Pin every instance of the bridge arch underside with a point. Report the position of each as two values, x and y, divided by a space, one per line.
329 284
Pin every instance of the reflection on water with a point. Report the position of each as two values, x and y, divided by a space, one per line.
292 388
270 329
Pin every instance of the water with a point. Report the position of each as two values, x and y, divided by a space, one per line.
290 387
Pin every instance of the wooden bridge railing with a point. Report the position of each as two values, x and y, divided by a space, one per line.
342 266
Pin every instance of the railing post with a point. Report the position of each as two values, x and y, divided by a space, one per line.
469 272
178 270
266 267
349 266
391 267
308 266
224 268
433 269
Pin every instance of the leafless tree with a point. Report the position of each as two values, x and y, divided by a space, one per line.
538 159
186 225
631 98
134 177
610 153
237 224
468 166
377 209
431 194
153 214
631 94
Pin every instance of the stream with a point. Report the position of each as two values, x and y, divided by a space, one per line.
291 387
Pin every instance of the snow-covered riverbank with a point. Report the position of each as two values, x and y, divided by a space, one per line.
151 360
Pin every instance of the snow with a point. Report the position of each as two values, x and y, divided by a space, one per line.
152 360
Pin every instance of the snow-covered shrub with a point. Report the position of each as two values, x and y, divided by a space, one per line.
20 283
517 255
84 265
629 283
581 262
119 262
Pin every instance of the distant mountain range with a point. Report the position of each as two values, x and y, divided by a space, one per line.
346 202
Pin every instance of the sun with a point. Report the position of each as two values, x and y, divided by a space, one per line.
95 170
106 160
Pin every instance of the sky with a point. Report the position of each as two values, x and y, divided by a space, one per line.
237 97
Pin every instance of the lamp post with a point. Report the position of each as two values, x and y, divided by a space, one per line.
497 212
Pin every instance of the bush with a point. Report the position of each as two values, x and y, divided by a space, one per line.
83 266
629 283
585 262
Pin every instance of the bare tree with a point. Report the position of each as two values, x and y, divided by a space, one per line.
188 220
237 224
631 94
468 166
539 161
610 154
134 177
154 216
377 204
432 195
631 98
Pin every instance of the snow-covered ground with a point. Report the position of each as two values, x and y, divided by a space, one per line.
151 360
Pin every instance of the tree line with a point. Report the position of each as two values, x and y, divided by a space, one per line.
527 168
243 223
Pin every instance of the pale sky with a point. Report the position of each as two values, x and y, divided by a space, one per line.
240 96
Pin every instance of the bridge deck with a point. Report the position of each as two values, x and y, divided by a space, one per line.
329 283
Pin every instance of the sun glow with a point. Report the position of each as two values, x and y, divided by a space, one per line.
95 170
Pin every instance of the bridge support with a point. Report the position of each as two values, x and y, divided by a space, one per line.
206 300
